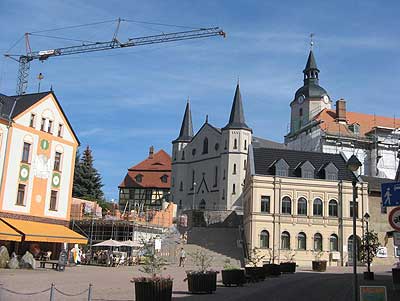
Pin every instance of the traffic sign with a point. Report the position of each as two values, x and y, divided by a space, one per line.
394 218
390 193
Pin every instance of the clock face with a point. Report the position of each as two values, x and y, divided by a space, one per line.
24 172
326 98
300 99
56 180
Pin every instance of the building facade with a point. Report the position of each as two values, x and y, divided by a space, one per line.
300 204
315 126
37 153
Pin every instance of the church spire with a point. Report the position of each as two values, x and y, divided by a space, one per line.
186 133
311 70
236 119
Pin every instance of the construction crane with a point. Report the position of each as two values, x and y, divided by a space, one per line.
25 59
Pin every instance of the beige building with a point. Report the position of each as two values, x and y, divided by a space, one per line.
299 203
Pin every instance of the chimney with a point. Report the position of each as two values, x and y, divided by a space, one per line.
341 110
151 152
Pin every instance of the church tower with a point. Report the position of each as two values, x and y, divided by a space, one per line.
179 169
310 99
236 137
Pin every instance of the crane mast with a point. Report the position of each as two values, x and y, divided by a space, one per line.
25 59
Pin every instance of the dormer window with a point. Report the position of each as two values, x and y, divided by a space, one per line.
281 168
205 146
139 178
164 178
331 172
355 128
32 121
307 170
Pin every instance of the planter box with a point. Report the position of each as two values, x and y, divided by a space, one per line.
319 266
233 277
272 269
202 282
396 278
255 274
287 267
153 290
368 275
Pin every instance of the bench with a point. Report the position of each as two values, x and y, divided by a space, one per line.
53 263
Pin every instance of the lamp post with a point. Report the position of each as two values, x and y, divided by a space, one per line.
353 164
366 219
194 194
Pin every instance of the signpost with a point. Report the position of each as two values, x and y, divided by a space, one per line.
373 293
396 239
390 193
394 218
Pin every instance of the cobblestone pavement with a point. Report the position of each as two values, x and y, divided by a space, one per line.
114 284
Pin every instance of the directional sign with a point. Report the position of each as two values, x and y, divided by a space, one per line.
394 218
390 193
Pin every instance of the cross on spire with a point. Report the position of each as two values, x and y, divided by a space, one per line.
311 41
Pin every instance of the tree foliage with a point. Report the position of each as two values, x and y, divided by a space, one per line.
369 245
87 180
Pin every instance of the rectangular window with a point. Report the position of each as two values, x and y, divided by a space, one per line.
351 209
21 195
57 161
265 203
25 152
60 132
216 177
53 200
308 174
233 189
281 172
42 124
49 126
32 121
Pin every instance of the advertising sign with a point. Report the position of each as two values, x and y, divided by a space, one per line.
373 293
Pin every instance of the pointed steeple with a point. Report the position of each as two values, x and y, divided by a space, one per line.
236 119
186 133
311 70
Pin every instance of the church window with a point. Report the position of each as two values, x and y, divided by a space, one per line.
245 144
202 205
234 169
193 174
216 146
233 189
235 144
181 186
223 194
223 178
301 112
193 152
216 176
245 164
226 145
205 146
180 204
183 155
174 155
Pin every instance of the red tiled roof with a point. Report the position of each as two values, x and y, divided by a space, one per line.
366 121
152 170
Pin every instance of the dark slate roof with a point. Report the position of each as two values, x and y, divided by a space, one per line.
25 101
311 91
311 63
236 119
260 142
186 132
6 106
264 159
374 183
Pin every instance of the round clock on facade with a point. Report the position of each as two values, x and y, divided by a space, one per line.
56 180
24 172
326 98
300 99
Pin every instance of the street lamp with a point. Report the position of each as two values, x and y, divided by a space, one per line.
353 164
366 219
194 194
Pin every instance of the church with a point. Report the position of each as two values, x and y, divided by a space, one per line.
209 167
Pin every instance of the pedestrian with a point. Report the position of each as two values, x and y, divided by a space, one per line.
182 257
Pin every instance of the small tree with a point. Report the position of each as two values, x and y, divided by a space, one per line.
289 255
201 260
255 257
369 247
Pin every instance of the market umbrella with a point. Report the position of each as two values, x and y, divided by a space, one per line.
130 243
108 243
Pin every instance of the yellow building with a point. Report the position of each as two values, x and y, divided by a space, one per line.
300 204
37 157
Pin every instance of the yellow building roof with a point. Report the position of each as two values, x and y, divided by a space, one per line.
35 231
8 233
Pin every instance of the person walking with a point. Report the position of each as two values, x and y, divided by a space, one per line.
182 257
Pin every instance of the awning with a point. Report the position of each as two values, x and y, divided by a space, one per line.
8 233
44 232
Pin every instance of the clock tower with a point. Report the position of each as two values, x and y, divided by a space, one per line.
310 99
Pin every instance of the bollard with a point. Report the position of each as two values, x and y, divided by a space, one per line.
1 292
89 297
52 292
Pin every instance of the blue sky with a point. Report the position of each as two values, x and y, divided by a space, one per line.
122 101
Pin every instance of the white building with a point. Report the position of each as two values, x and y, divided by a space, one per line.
208 168
315 126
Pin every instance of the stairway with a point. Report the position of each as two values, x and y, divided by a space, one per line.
220 243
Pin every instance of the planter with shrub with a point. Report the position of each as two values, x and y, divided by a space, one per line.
254 270
290 265
232 275
318 265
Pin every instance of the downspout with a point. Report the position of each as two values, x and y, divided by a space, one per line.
6 147
341 238
279 208
273 223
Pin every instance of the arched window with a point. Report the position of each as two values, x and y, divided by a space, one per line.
181 186
317 242
205 146
301 112
317 207
333 243
216 177
302 206
193 176
301 241
235 144
264 239
202 205
333 208
233 189
180 204
285 241
234 169
245 164
183 155
245 144
286 205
